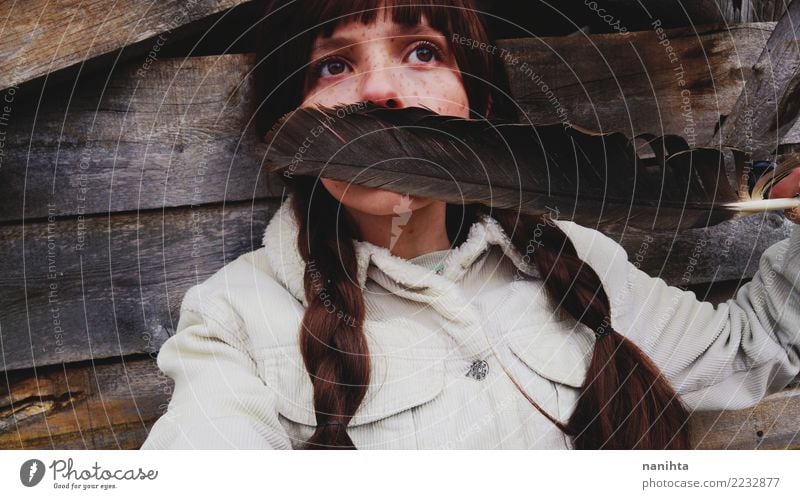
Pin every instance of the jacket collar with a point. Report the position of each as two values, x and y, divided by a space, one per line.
280 243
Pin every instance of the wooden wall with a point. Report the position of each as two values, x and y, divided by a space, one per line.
131 172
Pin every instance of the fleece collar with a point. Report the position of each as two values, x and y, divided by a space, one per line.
280 243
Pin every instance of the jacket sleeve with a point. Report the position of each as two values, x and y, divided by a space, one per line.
218 400
724 357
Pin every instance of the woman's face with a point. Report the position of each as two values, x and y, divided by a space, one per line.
391 65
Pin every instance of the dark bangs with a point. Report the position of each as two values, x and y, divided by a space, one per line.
406 12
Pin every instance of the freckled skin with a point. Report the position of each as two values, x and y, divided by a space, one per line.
378 67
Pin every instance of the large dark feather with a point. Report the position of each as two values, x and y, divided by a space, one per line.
593 179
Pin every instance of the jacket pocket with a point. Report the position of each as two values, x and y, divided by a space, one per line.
397 384
559 351
557 354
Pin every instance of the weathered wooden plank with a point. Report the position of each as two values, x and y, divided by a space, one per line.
75 289
172 134
676 13
670 82
772 424
105 404
768 10
524 19
769 103
724 252
40 38
682 13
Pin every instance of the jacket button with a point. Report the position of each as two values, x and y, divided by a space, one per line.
478 370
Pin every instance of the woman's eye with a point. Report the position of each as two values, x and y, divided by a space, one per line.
330 67
425 52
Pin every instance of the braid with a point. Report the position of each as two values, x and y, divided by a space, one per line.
332 340
625 402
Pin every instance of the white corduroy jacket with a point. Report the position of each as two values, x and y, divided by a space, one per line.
445 346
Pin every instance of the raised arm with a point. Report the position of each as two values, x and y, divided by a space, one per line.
724 357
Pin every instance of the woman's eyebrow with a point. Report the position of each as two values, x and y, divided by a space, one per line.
326 45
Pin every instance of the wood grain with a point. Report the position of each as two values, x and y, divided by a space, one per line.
769 103
40 37
630 83
104 404
682 13
102 287
767 10
175 134
524 19
772 424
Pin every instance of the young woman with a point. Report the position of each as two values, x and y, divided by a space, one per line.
371 319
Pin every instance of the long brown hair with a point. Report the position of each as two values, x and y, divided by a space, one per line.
625 402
